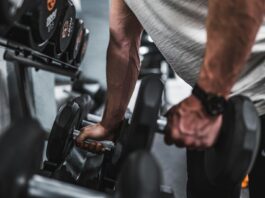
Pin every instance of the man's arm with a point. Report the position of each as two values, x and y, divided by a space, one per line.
123 67
123 62
232 26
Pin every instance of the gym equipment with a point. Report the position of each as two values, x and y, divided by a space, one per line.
76 41
83 48
21 149
11 11
63 131
61 39
36 24
47 15
140 168
61 144
233 155
22 159
67 28
91 87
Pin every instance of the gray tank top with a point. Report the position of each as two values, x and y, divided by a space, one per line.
178 29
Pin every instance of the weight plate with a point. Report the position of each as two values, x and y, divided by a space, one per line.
67 28
85 104
48 17
144 176
230 160
83 48
75 43
61 137
21 149
145 114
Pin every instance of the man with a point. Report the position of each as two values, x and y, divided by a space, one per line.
217 63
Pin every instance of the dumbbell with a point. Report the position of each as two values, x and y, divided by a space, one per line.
43 18
68 119
21 159
84 44
62 37
140 128
234 153
75 43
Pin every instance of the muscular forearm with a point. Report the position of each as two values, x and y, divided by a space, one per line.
232 26
122 73
122 62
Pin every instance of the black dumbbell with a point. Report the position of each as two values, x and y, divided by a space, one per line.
61 39
36 24
21 160
47 16
139 127
43 19
76 41
235 151
84 44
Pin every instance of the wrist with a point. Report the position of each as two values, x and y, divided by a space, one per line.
212 103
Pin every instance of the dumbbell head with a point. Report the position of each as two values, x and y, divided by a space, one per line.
45 19
66 30
60 140
84 44
144 118
76 41
20 159
140 177
68 119
230 160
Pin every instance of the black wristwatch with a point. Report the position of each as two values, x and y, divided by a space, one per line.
213 104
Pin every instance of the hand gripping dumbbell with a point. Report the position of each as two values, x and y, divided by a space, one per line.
21 159
139 127
238 140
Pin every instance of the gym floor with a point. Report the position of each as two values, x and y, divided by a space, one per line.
171 159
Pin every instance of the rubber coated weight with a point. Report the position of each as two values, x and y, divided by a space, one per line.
140 176
83 48
60 140
143 123
85 104
230 160
45 19
67 26
20 159
76 41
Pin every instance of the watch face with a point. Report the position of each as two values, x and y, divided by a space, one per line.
215 104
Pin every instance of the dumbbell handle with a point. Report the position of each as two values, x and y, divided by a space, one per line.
92 119
42 187
108 145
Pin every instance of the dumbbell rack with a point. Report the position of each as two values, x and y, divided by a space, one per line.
19 81
30 58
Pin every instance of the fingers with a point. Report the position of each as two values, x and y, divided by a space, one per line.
95 132
190 130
